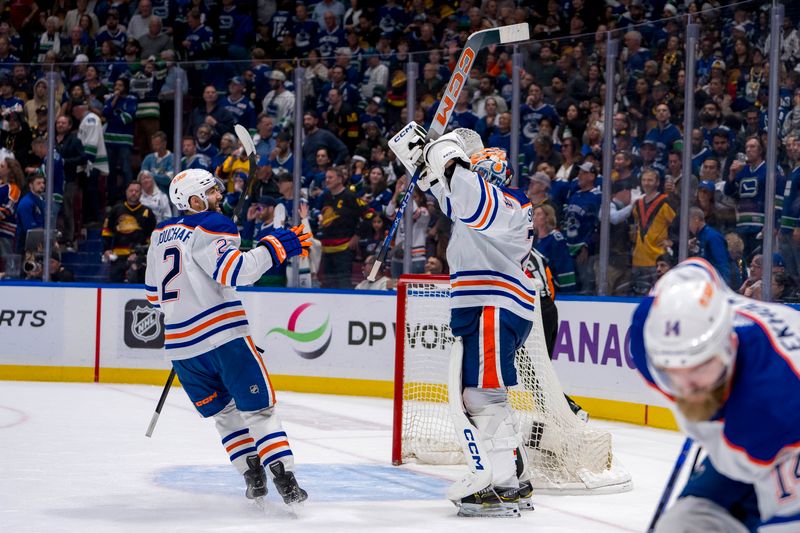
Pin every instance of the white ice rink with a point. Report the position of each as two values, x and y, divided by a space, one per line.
73 457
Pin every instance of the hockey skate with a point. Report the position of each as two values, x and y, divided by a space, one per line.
286 484
525 492
494 502
256 478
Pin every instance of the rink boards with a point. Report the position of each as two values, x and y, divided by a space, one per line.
339 342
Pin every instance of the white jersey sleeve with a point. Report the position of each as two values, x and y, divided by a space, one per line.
193 267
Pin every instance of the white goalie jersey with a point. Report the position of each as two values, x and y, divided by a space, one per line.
491 239
193 268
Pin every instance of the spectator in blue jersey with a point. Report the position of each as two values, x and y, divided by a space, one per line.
159 162
330 36
790 216
581 219
196 46
534 110
304 29
551 243
264 139
212 114
338 80
707 242
234 29
39 149
281 158
501 138
8 100
463 117
372 114
664 134
7 59
746 183
113 31
30 210
376 192
119 111
190 158
649 152
238 104
700 151
487 124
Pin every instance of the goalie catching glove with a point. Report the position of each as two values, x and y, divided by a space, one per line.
439 153
285 243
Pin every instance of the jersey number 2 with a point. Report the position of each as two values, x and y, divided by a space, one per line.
175 254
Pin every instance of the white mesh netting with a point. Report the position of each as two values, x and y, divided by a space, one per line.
565 454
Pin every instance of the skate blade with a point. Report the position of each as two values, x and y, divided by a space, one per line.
275 510
489 510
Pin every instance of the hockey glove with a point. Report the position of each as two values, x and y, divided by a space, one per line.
285 243
407 145
439 153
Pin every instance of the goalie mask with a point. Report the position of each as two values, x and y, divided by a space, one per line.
492 165
192 182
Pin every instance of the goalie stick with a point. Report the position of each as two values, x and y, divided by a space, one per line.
250 149
475 43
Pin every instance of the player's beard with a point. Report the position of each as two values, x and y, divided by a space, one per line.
703 409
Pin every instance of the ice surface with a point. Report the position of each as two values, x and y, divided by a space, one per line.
73 457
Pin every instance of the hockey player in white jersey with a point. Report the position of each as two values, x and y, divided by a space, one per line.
730 368
492 305
193 268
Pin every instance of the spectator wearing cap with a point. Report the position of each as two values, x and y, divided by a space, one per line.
652 215
580 222
281 158
259 217
279 102
304 28
38 166
551 243
376 74
317 138
154 40
664 134
372 114
790 214
330 36
153 197
212 113
538 189
707 242
717 214
119 111
239 105
158 163
113 31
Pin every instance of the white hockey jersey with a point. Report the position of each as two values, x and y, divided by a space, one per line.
755 437
490 243
193 268
90 133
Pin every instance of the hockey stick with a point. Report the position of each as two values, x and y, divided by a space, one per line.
673 477
154 419
250 149
467 434
475 43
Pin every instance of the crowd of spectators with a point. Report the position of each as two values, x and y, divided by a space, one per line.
120 66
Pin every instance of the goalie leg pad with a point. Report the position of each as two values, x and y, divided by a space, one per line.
495 420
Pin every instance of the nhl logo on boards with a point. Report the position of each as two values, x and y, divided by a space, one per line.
144 325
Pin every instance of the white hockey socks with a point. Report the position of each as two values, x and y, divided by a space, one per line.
493 417
253 432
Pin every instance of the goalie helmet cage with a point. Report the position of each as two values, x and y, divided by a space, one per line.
565 454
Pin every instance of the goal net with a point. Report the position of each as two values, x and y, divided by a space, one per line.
565 454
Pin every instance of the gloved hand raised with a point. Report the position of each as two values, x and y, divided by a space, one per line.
285 243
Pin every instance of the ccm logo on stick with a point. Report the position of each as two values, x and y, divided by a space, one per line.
456 84
473 449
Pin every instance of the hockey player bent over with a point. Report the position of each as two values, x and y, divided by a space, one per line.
730 367
492 305
193 268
